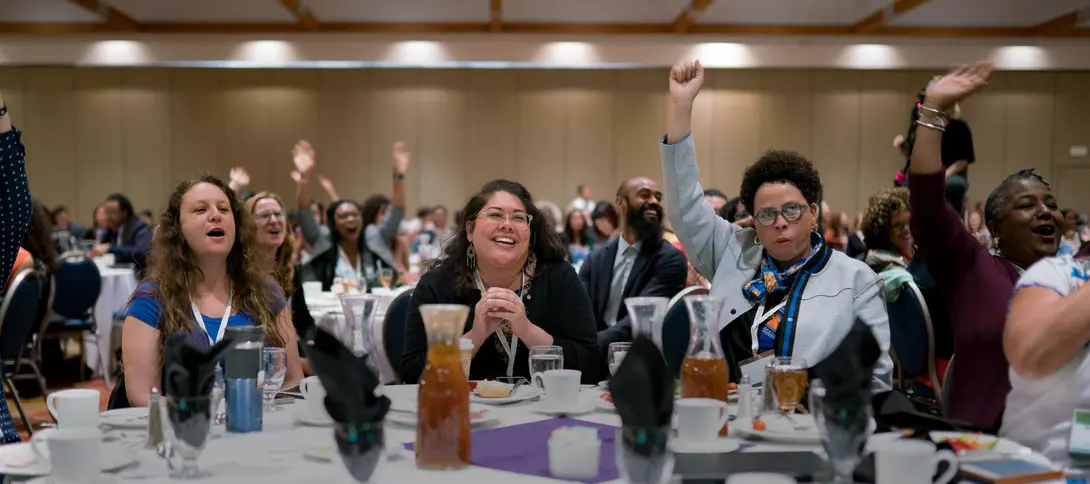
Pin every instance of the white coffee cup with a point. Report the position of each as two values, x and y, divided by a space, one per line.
314 400
912 461
561 387
760 478
74 408
312 289
700 419
108 259
73 454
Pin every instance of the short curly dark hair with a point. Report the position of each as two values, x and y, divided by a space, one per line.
777 166
880 210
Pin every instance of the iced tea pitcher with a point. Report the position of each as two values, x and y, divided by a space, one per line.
646 314
442 431
704 369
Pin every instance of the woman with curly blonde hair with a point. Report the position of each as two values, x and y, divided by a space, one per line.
205 275
275 243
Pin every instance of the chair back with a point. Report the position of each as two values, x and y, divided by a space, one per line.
676 332
18 314
77 285
912 336
393 331
947 387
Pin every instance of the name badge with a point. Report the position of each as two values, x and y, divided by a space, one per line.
754 367
1078 446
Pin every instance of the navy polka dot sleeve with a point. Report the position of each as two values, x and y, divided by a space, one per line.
14 216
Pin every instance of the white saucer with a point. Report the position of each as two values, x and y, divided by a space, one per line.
478 415
717 446
26 462
583 407
125 418
604 405
604 384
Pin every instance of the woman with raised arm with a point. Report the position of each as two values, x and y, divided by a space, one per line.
1024 221
205 277
786 291
15 207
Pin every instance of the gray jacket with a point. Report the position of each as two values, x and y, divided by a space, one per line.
377 236
729 256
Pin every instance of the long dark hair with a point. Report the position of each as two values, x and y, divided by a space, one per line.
39 237
372 207
545 243
582 237
331 222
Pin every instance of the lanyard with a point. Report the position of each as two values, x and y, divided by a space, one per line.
223 322
761 317
511 347
359 262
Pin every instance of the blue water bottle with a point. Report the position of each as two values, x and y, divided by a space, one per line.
242 388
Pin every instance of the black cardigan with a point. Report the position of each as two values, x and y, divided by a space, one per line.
557 303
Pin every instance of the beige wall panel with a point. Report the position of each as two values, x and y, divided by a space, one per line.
441 148
1029 130
542 116
247 122
1070 187
885 105
986 112
145 124
639 121
703 125
787 108
48 122
589 133
99 138
343 139
290 103
491 131
737 113
395 116
835 149
11 86
1071 123
196 124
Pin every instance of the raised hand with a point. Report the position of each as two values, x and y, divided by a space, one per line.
303 156
239 178
685 81
296 176
325 183
402 157
957 85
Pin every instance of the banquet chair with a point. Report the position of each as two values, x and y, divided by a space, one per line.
912 342
32 354
947 386
675 328
18 313
393 330
77 286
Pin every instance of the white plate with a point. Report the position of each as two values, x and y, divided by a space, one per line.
583 407
779 429
478 415
1003 448
20 460
605 405
524 392
604 384
125 418
717 446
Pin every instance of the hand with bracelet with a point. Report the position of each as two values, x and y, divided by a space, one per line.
948 90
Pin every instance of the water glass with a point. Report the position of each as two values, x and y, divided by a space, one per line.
617 352
544 358
190 420
274 366
219 393
843 434
643 456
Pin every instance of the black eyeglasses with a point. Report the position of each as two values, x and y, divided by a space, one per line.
791 212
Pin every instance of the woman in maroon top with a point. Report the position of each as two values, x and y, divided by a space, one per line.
1021 214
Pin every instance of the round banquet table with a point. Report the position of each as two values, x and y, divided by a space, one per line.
278 453
118 283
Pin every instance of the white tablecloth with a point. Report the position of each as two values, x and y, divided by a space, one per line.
117 285
277 453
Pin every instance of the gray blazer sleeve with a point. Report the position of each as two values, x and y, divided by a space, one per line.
311 231
705 235
380 235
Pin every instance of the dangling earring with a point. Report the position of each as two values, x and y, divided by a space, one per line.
531 264
471 256
756 240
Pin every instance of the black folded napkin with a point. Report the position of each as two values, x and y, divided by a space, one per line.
189 368
643 392
893 412
349 383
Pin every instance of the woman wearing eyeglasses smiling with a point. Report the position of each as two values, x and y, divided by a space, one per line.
786 291
511 269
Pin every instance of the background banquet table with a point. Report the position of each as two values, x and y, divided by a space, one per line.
279 453
118 283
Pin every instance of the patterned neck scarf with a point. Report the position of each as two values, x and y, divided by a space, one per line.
770 281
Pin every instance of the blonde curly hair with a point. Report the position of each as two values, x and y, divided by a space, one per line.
880 210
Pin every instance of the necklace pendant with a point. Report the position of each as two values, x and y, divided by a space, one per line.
529 296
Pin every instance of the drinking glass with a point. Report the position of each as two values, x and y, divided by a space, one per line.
219 407
646 315
843 433
385 276
361 448
788 381
544 358
643 456
359 314
190 419
274 365
617 352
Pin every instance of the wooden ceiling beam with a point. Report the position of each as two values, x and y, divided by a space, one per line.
303 15
687 17
111 16
880 19
496 16
1063 24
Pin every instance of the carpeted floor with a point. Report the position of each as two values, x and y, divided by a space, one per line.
39 414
